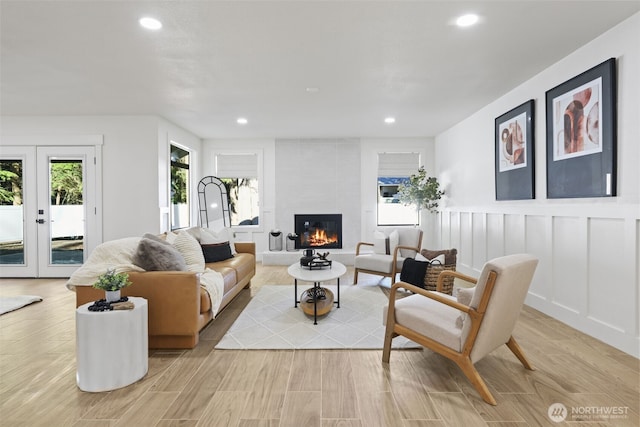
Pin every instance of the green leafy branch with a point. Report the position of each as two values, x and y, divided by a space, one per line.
421 191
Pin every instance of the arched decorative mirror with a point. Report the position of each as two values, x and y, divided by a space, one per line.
213 204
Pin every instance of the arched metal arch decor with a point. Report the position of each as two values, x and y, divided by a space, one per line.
213 203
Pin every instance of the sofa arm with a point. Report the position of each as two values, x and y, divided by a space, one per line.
246 247
173 297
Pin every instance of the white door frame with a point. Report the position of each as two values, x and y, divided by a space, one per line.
24 147
45 154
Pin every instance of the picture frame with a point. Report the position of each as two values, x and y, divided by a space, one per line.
581 134
514 153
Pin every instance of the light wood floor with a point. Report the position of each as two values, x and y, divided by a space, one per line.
207 387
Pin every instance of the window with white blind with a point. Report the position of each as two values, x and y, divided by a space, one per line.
393 170
239 172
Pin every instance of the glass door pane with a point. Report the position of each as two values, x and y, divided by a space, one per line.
64 220
11 212
66 211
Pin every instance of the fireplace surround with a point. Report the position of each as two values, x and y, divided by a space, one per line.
318 231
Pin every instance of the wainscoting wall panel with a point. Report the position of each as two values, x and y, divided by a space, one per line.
608 286
465 253
479 226
566 263
536 244
495 235
588 274
513 233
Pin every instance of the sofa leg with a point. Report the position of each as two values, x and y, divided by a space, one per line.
247 286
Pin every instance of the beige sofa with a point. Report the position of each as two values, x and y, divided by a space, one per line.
178 306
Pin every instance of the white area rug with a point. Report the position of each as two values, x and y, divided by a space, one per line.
271 322
8 304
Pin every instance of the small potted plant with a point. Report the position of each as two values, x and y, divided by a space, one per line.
111 283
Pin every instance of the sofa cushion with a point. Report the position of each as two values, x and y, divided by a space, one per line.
243 264
216 252
229 276
153 255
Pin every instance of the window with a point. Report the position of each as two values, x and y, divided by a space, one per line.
393 170
239 172
180 188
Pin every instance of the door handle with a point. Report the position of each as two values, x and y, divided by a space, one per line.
40 221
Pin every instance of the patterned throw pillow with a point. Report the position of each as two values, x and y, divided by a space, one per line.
190 249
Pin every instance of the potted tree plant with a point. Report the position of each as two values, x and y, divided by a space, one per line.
421 191
111 283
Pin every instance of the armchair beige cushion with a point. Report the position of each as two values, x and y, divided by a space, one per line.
403 243
433 319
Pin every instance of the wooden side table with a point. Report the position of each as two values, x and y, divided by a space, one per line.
112 347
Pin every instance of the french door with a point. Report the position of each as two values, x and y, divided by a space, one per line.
48 208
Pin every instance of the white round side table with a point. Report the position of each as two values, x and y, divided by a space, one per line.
112 347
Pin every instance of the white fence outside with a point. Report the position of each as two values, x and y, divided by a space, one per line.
67 221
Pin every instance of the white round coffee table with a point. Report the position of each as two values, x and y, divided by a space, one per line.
316 276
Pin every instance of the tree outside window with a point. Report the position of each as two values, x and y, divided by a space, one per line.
243 200
180 188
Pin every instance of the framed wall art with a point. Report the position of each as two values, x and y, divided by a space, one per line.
514 142
581 135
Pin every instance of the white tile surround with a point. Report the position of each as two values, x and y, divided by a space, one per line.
317 176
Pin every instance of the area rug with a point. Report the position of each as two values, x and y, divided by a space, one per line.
271 322
12 303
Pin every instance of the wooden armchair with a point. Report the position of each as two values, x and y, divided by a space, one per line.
388 263
467 328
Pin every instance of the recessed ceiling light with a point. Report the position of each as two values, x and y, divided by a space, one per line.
389 120
242 121
150 23
312 89
467 20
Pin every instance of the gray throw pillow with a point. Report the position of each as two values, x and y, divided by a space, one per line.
152 255
155 238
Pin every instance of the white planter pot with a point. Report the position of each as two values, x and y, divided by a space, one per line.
112 296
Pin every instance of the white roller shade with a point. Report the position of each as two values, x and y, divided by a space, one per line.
236 165
398 164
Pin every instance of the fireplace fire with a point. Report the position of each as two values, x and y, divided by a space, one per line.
318 231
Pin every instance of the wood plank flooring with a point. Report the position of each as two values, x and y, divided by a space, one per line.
207 387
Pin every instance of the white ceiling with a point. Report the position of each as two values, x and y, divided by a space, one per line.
214 61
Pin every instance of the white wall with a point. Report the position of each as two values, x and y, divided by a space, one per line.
588 248
319 176
341 172
132 160
265 148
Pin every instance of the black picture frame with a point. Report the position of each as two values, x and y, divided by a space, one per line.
514 153
581 134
